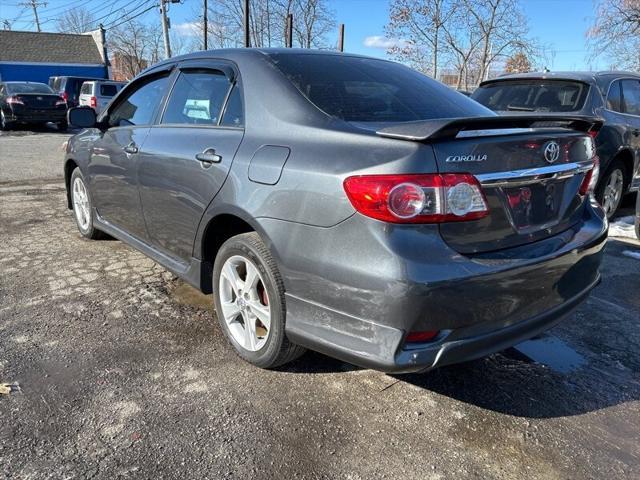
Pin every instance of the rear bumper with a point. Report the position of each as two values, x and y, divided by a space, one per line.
365 300
36 116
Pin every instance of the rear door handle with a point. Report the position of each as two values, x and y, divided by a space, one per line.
131 148
209 156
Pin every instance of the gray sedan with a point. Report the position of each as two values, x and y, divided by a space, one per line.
344 204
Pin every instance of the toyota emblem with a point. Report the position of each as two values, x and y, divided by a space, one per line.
551 152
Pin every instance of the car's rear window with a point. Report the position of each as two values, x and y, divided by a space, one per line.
533 95
17 88
108 90
369 90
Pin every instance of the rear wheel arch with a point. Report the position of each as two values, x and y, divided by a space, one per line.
626 158
69 166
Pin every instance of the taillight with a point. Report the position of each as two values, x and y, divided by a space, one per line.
93 102
593 133
591 178
417 337
417 198
60 101
65 96
14 101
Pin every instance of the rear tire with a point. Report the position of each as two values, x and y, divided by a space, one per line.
83 207
62 126
250 303
610 189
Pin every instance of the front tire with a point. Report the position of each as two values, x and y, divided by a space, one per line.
250 303
62 126
4 124
83 207
611 188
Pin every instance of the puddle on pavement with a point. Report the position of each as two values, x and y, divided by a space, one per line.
187 295
552 352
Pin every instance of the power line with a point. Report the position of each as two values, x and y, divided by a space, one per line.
34 5
129 19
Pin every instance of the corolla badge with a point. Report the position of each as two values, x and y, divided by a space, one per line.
466 158
551 151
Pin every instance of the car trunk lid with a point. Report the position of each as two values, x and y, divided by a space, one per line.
39 101
530 170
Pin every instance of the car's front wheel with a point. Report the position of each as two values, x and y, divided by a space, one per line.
83 207
611 188
250 303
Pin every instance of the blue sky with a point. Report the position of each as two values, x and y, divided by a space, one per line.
558 24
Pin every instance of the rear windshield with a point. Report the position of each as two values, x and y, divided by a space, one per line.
16 88
368 90
533 96
108 90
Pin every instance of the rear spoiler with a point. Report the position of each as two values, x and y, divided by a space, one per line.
443 128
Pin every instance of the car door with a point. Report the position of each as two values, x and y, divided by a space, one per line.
631 108
186 157
114 159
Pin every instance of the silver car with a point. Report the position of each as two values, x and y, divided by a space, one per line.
98 93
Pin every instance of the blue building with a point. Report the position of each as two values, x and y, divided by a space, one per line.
36 56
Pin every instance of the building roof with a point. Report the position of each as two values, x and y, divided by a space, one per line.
44 47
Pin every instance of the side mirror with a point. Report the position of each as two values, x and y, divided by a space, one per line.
83 117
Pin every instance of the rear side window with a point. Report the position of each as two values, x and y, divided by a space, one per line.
614 99
108 90
631 96
86 89
233 116
368 90
533 96
139 105
197 98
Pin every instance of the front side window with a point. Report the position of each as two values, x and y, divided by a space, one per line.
108 90
368 90
614 99
197 98
631 96
138 107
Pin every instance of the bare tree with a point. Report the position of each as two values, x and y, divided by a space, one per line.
134 46
313 20
76 20
421 24
616 33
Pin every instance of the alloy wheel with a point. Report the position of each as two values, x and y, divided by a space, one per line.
613 192
245 303
81 204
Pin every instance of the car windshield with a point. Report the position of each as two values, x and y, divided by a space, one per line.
369 90
16 88
533 95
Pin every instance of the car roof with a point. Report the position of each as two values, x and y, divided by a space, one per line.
586 77
246 53
15 82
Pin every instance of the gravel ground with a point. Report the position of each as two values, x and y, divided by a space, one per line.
119 370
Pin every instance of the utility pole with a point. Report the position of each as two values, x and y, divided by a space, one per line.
165 28
247 38
6 25
206 24
288 41
34 5
341 38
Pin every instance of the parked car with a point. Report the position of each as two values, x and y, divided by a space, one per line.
69 88
614 96
638 216
345 204
98 93
30 103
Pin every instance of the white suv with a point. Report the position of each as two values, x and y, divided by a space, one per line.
98 93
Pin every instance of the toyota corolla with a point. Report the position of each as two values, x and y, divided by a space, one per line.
344 204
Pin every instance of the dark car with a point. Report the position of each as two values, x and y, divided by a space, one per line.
345 204
614 96
30 103
637 222
69 88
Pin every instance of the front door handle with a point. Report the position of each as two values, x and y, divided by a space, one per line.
131 148
209 156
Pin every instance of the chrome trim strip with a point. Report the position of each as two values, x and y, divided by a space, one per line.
533 175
